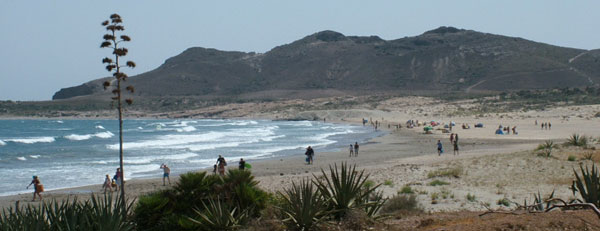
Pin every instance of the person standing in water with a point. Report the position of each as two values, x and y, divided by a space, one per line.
38 188
166 173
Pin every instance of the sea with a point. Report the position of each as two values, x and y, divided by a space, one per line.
72 153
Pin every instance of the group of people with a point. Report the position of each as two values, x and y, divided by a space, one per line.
506 130
353 149
219 166
114 183
453 141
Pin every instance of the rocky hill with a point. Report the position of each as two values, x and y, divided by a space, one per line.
444 59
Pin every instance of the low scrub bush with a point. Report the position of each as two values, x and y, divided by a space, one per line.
400 203
503 202
406 190
438 183
448 172
471 197
571 158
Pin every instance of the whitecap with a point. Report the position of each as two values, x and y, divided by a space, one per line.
104 135
140 128
60 121
100 127
171 140
32 140
186 129
34 156
2 143
78 137
22 158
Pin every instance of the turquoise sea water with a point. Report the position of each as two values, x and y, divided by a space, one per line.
70 153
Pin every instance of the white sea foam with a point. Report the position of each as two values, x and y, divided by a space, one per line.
22 158
102 135
32 140
171 140
99 162
78 137
60 121
2 143
140 128
150 159
186 129
100 127
34 156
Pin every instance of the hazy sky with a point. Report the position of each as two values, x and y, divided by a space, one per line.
48 45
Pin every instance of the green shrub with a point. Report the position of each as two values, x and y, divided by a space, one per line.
369 184
406 190
587 184
303 206
504 202
471 197
217 215
388 183
438 183
97 213
448 172
571 158
546 148
577 140
401 203
344 189
192 194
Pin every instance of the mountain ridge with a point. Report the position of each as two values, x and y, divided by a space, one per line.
442 59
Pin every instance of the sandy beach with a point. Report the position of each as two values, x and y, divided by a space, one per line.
491 167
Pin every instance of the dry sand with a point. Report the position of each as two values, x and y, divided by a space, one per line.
492 166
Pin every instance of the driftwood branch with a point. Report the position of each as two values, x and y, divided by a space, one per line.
528 209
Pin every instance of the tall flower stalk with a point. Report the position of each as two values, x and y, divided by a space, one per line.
113 40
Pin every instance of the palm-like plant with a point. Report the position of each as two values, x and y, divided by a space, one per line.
303 206
98 213
112 41
588 185
217 215
343 189
577 140
547 148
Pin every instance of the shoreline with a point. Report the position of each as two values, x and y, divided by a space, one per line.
495 166
265 170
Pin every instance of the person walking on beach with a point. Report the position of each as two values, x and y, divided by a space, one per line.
455 147
355 148
166 173
38 188
221 163
107 184
351 149
309 154
451 137
549 126
118 177
242 164
456 137
440 149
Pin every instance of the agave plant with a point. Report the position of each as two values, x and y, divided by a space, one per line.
217 215
547 148
98 213
577 140
343 189
303 206
588 185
